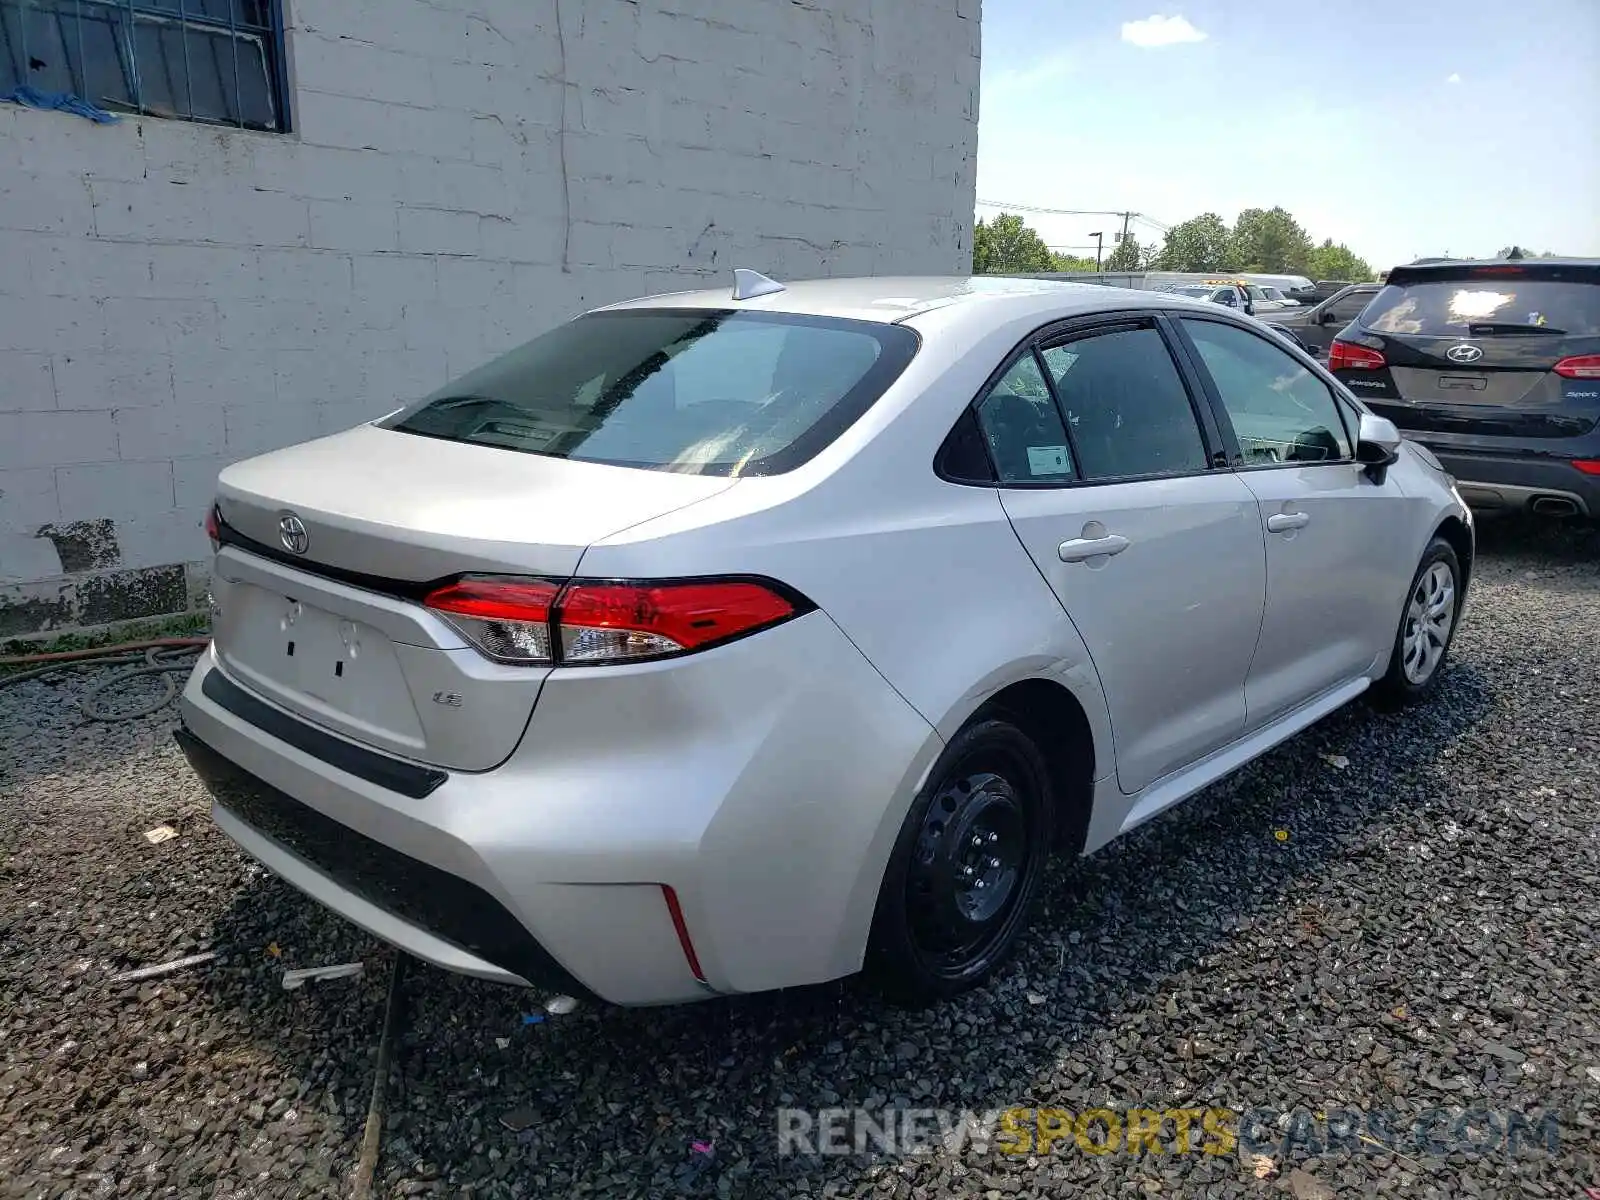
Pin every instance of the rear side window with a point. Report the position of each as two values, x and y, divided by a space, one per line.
1126 405
1023 428
1488 305
702 392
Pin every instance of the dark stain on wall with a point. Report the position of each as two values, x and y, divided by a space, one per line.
127 595
34 614
85 545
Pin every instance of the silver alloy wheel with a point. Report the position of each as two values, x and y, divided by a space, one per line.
1429 617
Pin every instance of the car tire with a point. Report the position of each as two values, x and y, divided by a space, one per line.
966 866
1427 628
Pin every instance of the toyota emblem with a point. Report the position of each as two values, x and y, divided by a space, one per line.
292 533
1463 353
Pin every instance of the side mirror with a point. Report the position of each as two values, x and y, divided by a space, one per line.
1377 446
1325 317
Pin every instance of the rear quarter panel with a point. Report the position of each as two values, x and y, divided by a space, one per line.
926 577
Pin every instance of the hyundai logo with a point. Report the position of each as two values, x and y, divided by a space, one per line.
292 533
1463 353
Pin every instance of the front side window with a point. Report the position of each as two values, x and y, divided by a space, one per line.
1126 405
1023 428
696 391
1281 412
218 61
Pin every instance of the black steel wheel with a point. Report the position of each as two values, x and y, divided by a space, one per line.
965 868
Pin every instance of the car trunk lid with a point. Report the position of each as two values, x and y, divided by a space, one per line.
330 547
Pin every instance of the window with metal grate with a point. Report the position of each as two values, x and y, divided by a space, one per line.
217 61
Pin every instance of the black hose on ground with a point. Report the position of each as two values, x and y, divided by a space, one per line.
164 659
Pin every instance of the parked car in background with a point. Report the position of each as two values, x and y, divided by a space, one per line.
1260 301
1238 294
1324 288
1277 297
1229 295
1317 325
642 661
1289 287
1495 367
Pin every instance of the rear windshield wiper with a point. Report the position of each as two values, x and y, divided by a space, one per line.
1487 327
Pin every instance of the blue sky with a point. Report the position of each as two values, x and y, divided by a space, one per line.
1400 127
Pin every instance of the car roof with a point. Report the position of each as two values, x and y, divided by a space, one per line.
1455 264
893 298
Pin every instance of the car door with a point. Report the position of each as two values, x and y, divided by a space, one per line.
1154 552
1333 537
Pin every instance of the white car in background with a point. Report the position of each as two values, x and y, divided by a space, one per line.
719 642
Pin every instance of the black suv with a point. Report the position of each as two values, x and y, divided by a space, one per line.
1495 367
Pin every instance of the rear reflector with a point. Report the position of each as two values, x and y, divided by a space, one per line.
1589 466
682 928
591 622
1579 366
214 528
1343 356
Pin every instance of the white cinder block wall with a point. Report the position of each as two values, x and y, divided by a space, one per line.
461 174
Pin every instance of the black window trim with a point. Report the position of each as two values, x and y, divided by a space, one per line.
1059 332
1220 412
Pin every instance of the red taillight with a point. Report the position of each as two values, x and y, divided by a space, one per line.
1343 356
592 622
1589 466
682 928
1579 366
214 528
608 622
507 619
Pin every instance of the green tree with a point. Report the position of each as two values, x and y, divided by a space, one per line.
1518 252
1338 262
1271 240
1127 256
1071 262
1201 243
1006 246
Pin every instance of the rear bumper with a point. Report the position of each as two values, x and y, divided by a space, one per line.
437 916
1510 481
763 781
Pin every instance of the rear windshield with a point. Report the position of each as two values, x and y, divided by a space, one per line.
1451 308
696 391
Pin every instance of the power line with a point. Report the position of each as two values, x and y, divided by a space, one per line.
1063 212
1126 214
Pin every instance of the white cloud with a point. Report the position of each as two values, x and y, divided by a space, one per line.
1161 31
1455 77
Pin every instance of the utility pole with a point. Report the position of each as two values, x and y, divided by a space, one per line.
1126 217
1099 244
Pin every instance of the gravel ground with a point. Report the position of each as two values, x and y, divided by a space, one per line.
1411 930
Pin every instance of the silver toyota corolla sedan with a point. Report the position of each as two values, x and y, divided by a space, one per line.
747 638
